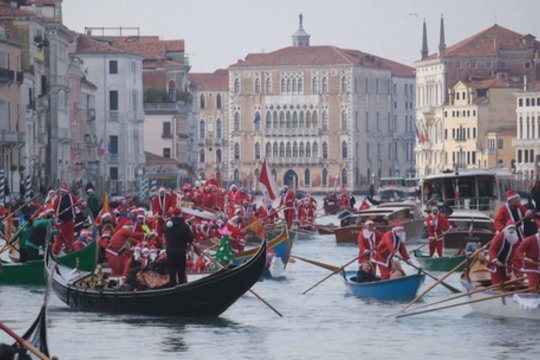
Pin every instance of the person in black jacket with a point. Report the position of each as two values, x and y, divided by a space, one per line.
177 236
535 193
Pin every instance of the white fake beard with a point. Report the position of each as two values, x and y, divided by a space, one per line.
511 237
402 236
367 234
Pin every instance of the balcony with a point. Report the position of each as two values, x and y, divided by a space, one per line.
113 158
6 76
292 132
166 135
90 114
10 137
296 161
525 142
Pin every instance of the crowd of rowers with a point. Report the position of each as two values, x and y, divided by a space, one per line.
511 250
128 233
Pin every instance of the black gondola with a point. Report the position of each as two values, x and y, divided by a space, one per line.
208 296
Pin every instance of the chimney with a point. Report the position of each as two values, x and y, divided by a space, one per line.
525 85
424 50
442 44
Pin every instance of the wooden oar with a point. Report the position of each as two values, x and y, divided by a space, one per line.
23 342
20 207
471 292
331 274
508 293
244 229
206 255
424 244
418 297
446 285
317 263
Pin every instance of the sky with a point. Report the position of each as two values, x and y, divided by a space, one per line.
217 33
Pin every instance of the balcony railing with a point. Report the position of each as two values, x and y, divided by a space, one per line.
6 76
295 161
113 115
292 132
10 137
113 158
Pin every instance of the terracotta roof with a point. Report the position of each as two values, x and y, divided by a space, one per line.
87 44
149 47
322 55
494 83
487 43
41 2
153 159
218 80
161 63
534 86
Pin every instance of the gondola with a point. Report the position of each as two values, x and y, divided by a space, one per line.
208 296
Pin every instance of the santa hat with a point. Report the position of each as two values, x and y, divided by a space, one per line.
161 189
50 193
435 209
510 225
511 194
105 215
140 216
90 190
64 187
397 226
132 209
370 222
106 234
116 211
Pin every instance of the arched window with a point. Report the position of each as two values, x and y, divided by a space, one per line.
236 176
324 85
257 86
343 120
315 85
289 122
218 101
300 85
218 156
268 152
343 83
301 122
294 85
288 150
257 120
344 177
281 119
307 177
283 86
325 177
237 121
281 149
308 150
324 150
201 129
308 119
237 86
171 93
268 85
218 129
324 116
295 149
236 151
201 156
268 120
289 85
315 150
301 151
344 150
314 120
202 104
295 120
257 151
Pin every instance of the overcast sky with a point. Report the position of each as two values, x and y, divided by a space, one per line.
219 32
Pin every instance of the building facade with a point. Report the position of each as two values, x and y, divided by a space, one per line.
527 141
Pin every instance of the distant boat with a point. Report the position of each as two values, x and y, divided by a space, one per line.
400 289
442 263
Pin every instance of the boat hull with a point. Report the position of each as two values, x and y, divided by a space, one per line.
33 272
401 289
444 263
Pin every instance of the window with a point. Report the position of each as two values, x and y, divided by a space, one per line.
307 177
300 85
202 129
343 84
294 85
288 150
344 177
324 150
268 85
344 150
315 150
301 152
166 129
377 89
167 153
275 149
113 144
315 85
113 67
378 125
236 176
366 85
201 156
218 129
295 149
283 86
237 121
367 121
308 150
324 85
325 177
236 86
113 99
488 65
202 102
113 173
324 120
281 149
257 86
472 64
268 120
218 101
218 156
268 150
257 151
343 120
236 151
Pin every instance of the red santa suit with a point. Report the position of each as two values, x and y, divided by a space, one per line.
287 202
234 226
435 225
160 206
231 196
530 249
306 216
118 253
508 212
364 205
367 245
391 243
502 250
64 206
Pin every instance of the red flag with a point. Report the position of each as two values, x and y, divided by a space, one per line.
267 181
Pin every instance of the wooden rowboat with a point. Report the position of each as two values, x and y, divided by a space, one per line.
399 289
443 263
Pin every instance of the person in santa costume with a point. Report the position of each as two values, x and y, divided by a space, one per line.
364 205
512 210
528 252
230 200
119 252
392 242
64 205
161 204
436 224
287 203
502 250
368 239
